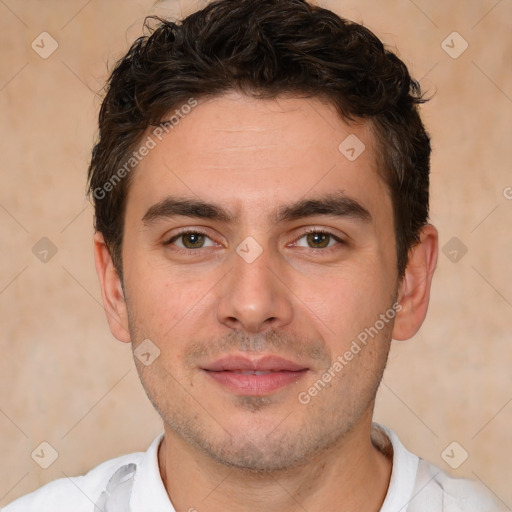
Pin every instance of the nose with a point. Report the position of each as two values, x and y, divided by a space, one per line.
254 296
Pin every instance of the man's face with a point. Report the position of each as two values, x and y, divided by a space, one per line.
246 299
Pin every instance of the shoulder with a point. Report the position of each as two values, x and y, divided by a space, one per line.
435 488
418 486
78 493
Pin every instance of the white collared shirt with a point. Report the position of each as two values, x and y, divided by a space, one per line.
132 483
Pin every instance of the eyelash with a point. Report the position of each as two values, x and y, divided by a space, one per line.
305 233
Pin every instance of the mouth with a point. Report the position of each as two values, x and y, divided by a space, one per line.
256 376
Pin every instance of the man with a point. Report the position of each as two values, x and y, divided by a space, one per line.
261 197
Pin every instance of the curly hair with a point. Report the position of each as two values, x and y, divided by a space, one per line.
264 48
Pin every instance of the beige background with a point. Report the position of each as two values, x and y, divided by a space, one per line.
65 380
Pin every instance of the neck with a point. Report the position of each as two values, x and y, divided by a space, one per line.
350 476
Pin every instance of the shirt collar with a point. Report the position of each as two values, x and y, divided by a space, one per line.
148 492
403 472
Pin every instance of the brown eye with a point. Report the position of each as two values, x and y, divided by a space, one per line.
318 240
191 240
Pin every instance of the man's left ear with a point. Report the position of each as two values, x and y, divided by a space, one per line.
414 289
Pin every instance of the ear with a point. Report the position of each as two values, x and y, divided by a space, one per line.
414 289
111 290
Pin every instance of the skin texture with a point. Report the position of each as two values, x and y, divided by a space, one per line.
304 298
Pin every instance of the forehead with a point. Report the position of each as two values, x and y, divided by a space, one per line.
251 154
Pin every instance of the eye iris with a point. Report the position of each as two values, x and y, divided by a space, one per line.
193 240
318 240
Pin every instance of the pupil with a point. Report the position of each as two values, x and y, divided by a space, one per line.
193 240
318 239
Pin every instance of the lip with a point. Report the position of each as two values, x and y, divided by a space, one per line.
262 364
254 376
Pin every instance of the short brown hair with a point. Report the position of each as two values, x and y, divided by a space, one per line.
263 48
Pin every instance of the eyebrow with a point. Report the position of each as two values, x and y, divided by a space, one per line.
335 205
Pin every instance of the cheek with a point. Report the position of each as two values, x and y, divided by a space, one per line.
161 297
344 302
